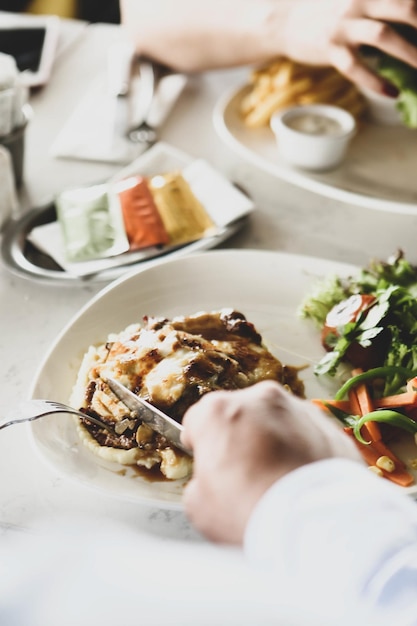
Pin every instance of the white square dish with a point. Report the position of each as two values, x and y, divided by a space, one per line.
32 246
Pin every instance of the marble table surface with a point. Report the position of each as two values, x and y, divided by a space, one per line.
287 219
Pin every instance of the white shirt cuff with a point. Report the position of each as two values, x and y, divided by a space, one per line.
329 530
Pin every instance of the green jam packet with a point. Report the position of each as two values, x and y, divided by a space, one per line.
91 223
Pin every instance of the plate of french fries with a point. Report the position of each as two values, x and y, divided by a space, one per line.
378 171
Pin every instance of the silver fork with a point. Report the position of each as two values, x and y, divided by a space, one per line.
31 410
143 134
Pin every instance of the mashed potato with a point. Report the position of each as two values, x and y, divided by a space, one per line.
171 364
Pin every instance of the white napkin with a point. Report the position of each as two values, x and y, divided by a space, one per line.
91 132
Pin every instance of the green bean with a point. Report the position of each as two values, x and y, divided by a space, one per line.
377 372
386 416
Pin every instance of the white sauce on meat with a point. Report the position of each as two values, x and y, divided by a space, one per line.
171 363
166 381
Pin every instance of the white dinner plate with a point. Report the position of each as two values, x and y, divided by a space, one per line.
378 172
267 287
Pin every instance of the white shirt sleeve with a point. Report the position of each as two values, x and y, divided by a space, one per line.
341 540
330 544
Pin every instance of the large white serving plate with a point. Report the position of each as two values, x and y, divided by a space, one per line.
267 287
378 173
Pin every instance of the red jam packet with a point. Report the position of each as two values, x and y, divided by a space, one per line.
143 224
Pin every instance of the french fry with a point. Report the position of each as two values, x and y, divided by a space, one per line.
263 88
347 99
358 109
260 115
283 83
283 76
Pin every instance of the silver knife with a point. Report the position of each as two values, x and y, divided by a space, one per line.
120 59
119 75
159 89
150 415
143 86
141 131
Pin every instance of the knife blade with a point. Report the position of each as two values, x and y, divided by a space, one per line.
143 86
150 415
140 131
159 89
120 60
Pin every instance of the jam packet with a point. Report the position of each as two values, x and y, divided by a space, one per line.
183 215
143 224
91 223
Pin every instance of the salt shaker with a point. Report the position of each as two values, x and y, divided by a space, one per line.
13 115
8 79
8 197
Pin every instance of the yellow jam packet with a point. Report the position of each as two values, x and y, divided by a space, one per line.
184 217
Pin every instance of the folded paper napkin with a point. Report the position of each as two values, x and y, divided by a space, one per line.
93 133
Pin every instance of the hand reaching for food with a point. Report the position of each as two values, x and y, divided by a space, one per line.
238 32
333 33
243 442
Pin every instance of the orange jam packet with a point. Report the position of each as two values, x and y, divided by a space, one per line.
143 224
183 215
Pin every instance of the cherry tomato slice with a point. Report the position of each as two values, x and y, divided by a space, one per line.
343 313
348 310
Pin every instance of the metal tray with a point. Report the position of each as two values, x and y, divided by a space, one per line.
22 258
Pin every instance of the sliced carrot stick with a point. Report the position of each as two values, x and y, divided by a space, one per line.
378 448
373 451
354 403
364 399
362 394
343 405
412 384
369 433
360 403
406 399
365 405
384 450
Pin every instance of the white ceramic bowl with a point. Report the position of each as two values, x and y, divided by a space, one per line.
315 136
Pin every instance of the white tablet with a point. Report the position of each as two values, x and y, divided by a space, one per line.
32 41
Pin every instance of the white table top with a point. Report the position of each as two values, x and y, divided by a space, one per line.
31 314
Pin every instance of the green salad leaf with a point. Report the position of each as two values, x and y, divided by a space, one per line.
393 316
325 295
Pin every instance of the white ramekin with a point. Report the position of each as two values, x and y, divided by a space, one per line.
319 151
